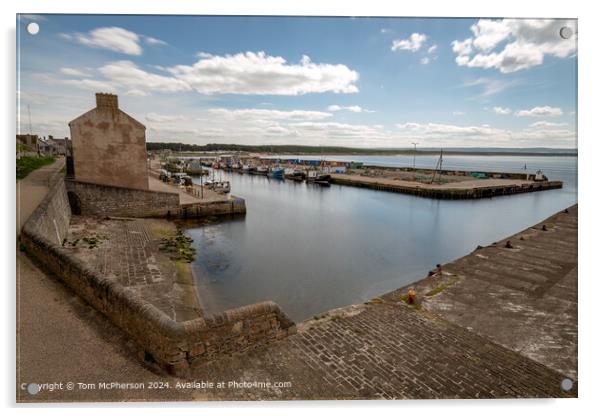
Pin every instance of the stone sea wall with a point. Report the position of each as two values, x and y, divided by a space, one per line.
174 346
51 219
102 200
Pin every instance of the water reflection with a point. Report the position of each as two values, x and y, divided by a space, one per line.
311 249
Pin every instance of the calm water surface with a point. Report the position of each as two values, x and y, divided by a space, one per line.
311 249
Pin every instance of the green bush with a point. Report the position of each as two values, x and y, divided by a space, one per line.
26 165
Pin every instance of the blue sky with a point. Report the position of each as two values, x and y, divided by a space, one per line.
361 82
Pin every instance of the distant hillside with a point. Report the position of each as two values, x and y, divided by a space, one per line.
336 150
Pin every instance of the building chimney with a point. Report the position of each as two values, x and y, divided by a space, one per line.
106 101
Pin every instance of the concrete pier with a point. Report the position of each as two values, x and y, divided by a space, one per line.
467 189
520 292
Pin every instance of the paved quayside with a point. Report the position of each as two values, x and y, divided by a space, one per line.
490 328
522 295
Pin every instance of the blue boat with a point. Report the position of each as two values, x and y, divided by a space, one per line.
277 172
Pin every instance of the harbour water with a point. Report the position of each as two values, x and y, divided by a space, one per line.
311 249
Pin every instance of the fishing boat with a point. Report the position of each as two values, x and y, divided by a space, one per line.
261 170
164 175
294 174
276 172
178 177
221 187
318 178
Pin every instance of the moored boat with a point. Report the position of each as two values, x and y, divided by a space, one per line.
276 172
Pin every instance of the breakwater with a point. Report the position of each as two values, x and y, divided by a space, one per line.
455 191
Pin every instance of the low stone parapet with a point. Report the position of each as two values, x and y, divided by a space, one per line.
103 200
173 346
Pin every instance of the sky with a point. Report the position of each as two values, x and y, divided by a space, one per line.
337 81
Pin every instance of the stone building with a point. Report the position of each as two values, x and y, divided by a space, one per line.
46 148
29 140
60 145
109 146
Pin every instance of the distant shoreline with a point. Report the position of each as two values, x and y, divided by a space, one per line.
434 153
349 151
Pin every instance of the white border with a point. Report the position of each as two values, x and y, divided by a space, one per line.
589 178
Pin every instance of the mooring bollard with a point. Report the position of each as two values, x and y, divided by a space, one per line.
411 296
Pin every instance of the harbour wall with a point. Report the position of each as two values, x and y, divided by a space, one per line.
51 219
456 172
451 193
102 200
173 346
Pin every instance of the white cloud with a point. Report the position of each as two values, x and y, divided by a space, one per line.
74 72
502 110
462 49
459 113
244 73
432 49
263 114
127 74
335 130
154 41
413 43
436 134
425 60
87 84
137 93
259 73
545 111
527 42
492 86
449 130
33 97
116 39
277 129
488 33
547 124
352 108
161 118
386 30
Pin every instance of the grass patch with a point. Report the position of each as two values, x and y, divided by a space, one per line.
92 241
416 305
179 247
27 164
436 290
